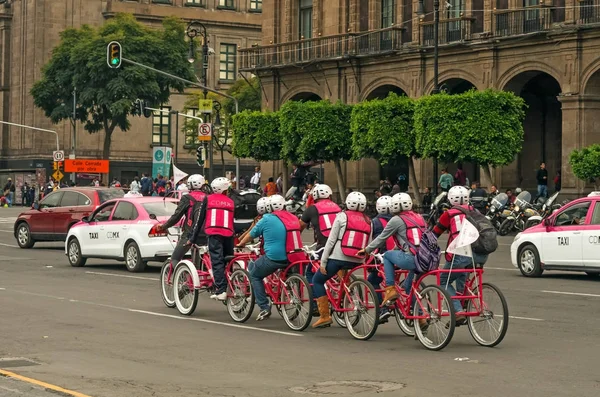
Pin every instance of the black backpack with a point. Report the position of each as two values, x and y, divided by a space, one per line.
488 238
245 204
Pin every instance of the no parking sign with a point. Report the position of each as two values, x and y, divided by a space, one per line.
205 132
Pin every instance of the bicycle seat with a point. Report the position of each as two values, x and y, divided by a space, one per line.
229 258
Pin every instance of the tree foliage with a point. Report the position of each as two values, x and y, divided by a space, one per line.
586 164
256 135
248 95
105 96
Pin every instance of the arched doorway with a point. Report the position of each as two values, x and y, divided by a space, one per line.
591 110
383 91
456 86
305 97
543 129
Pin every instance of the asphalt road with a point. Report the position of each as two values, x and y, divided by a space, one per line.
104 332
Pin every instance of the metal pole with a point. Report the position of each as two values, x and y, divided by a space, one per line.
33 128
74 137
436 85
176 152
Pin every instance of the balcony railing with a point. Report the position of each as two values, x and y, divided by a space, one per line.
322 48
450 30
522 21
589 11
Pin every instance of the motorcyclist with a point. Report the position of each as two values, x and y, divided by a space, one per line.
216 221
452 220
478 197
406 228
189 207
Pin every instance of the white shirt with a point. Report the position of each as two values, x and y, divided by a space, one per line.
255 179
134 186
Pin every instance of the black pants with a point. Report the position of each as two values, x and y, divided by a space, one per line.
218 248
180 250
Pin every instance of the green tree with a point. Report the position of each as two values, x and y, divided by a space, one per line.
485 127
317 131
256 135
105 96
248 95
383 129
586 164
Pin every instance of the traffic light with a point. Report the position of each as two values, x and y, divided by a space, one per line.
144 108
113 54
199 159
137 109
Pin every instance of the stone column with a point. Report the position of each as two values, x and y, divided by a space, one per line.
571 11
572 106
488 15
416 26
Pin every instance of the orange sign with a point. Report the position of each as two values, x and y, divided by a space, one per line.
87 166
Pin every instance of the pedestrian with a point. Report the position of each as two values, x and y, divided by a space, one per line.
557 181
9 192
115 182
255 180
135 185
242 183
161 184
146 185
279 183
395 190
25 195
460 176
542 180
403 182
427 199
446 181
270 188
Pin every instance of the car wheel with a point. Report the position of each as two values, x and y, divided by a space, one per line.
529 261
74 253
133 258
24 236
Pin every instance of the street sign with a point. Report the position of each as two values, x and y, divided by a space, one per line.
57 165
57 175
205 106
87 166
58 155
205 132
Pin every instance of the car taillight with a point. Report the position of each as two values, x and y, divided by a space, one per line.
154 232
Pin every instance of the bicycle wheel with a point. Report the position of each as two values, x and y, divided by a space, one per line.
297 296
361 310
406 325
435 303
489 328
240 297
186 295
339 316
166 284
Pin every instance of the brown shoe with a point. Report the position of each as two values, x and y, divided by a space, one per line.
325 318
460 319
390 295
341 274
423 324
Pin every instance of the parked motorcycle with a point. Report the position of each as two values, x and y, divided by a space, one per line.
545 208
439 205
522 215
295 207
494 213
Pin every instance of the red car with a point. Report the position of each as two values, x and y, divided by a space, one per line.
51 218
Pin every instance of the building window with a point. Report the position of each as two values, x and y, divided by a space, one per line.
226 4
530 3
162 1
161 127
191 129
255 5
305 14
195 3
227 62
387 13
454 8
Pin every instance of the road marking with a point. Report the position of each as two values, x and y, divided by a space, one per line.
6 231
215 322
572 293
500 268
527 318
42 384
10 245
124 276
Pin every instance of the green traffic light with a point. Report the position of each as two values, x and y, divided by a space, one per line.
115 61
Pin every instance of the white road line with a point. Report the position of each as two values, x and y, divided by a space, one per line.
571 293
216 322
527 318
6 231
2 289
500 268
124 276
9 245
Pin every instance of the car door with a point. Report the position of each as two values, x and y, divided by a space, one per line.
591 238
63 214
117 229
42 220
562 244
95 240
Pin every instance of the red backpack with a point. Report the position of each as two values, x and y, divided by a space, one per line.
356 236
327 211
293 238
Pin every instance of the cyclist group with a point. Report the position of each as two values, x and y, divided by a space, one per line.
345 237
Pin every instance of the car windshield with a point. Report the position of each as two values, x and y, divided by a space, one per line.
160 208
109 194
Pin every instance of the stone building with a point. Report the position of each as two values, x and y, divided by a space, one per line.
548 52
29 30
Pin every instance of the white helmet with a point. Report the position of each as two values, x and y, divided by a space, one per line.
276 203
321 191
183 187
195 182
220 185
384 205
356 201
458 195
401 202
262 204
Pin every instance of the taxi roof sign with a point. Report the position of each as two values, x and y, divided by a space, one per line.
594 194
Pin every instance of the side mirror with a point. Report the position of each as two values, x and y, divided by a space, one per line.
547 222
36 206
152 216
85 219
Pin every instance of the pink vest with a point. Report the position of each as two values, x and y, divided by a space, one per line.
327 210
219 216
415 224
390 243
293 239
356 236
196 196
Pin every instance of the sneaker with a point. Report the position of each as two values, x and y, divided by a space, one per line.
263 315
383 317
461 319
220 297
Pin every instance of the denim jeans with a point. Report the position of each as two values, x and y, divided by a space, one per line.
460 262
333 266
9 198
542 191
401 260
260 269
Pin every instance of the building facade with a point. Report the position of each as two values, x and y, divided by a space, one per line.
546 51
29 30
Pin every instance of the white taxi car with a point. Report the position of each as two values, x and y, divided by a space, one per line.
568 240
124 229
